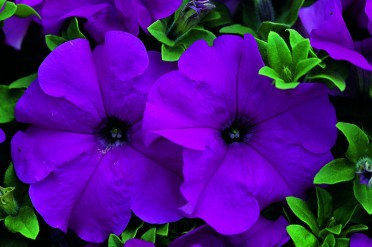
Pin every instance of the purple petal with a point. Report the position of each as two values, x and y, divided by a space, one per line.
138 243
358 240
15 29
37 152
368 11
203 236
39 109
89 195
69 72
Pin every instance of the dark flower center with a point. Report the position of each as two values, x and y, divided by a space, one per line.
237 132
364 171
113 132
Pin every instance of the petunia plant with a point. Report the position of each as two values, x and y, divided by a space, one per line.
9 9
356 165
329 227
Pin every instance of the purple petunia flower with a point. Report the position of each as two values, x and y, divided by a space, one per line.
83 153
102 15
325 21
138 243
359 240
264 233
246 143
2 136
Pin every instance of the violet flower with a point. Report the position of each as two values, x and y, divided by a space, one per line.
264 233
83 154
358 240
138 243
325 21
246 143
102 15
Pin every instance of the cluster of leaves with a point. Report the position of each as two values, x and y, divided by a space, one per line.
329 228
10 9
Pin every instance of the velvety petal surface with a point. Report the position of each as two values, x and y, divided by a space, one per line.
56 113
15 29
37 151
88 194
69 72
138 243
359 239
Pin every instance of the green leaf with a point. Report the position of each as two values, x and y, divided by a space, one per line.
301 51
291 15
269 72
52 41
335 78
162 230
301 236
342 242
267 26
280 84
149 235
8 99
73 30
336 171
333 229
25 223
344 213
324 202
24 11
171 54
238 29
304 66
23 82
358 141
364 195
8 11
294 37
355 228
115 241
278 52
262 46
329 241
158 30
131 232
302 211
2 2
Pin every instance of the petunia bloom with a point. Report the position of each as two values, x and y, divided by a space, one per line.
102 15
246 143
326 23
138 243
264 233
83 154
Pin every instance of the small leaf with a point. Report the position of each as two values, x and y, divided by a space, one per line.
8 11
291 14
333 229
336 171
149 235
158 30
171 54
358 141
302 211
304 66
23 82
52 41
364 195
329 241
24 11
355 228
162 230
344 213
262 46
115 241
294 37
278 52
335 78
325 202
238 29
130 232
269 72
301 51
280 84
342 242
267 26
8 99
73 30
25 222
301 236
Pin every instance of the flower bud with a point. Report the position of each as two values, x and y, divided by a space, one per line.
7 201
265 10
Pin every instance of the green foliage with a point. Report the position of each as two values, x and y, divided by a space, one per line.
25 222
10 9
72 32
336 171
237 29
329 228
